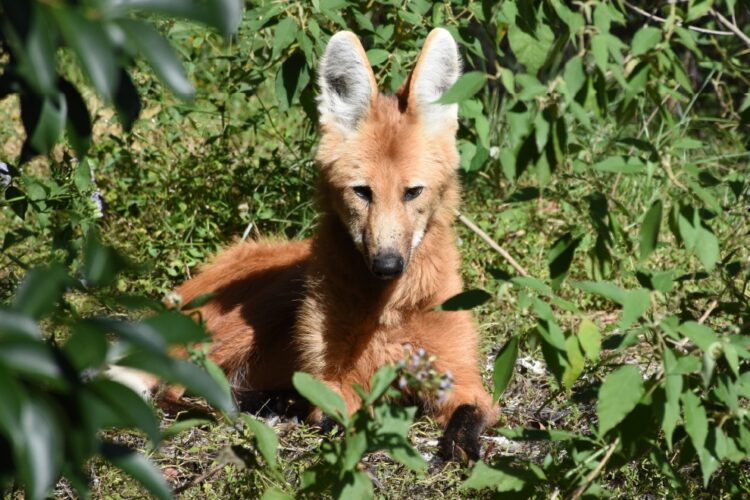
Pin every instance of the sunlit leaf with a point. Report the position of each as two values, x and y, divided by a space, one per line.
465 87
505 364
321 396
465 300
618 396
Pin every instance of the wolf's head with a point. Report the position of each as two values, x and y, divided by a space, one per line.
388 163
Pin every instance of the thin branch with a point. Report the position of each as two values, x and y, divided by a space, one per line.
504 253
594 473
199 479
731 26
708 312
662 20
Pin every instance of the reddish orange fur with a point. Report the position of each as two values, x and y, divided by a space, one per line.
315 306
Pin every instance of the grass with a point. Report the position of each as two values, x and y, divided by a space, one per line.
192 177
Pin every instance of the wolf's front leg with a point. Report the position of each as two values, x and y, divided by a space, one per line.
468 409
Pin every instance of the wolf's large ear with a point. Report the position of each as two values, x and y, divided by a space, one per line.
347 83
438 67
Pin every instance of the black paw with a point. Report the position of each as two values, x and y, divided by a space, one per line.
460 442
327 425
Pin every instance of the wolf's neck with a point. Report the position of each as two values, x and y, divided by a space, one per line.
338 269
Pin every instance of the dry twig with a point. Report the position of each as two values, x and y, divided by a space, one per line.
662 20
503 252
594 473
731 26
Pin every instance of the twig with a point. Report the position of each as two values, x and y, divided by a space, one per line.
708 312
731 26
662 20
504 253
594 473
199 479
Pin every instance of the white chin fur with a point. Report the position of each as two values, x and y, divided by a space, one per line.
416 239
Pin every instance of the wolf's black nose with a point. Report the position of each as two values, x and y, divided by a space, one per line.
387 265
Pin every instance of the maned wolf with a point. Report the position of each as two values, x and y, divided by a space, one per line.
345 302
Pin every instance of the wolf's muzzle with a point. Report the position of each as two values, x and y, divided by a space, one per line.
387 265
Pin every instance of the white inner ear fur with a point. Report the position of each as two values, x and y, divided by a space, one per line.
439 68
345 87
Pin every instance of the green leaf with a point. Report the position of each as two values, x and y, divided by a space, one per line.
198 301
128 407
126 100
604 289
377 56
635 305
139 334
618 396
533 283
40 290
559 258
184 424
356 484
292 77
265 439
175 328
600 51
590 339
138 467
574 76
707 248
380 383
696 422
13 396
32 358
40 456
483 477
575 362
320 395
645 39
619 165
465 87
465 300
19 202
100 262
673 391
273 493
531 51
160 56
43 122
78 122
701 335
91 44
355 447
184 373
224 15
698 9
547 326
14 324
283 35
505 363
649 234
34 47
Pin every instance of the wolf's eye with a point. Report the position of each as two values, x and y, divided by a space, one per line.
412 193
363 192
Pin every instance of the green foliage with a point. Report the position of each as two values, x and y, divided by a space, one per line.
57 398
378 425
